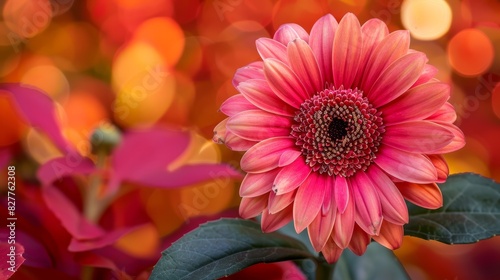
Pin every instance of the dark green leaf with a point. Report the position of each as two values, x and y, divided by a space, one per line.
223 247
377 263
470 212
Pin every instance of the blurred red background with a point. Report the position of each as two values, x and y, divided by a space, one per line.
140 62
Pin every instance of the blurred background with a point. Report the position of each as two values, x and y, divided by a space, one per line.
136 63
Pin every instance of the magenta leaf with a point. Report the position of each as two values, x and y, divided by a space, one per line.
62 207
57 168
79 245
38 110
144 155
11 258
71 218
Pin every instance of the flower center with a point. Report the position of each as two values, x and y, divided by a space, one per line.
338 131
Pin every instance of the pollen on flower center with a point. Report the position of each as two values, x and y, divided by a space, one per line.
338 131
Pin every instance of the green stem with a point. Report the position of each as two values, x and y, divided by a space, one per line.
324 270
93 206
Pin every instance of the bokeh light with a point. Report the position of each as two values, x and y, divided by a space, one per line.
171 42
470 52
27 18
83 114
49 78
76 49
140 242
145 89
426 19
40 148
301 12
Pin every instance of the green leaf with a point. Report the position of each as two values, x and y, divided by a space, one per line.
378 262
470 212
223 247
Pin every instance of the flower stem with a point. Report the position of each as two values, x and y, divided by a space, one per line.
92 203
324 270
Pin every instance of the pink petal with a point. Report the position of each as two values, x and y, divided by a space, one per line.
308 201
424 195
359 241
290 177
236 143
269 48
396 79
233 142
38 110
254 70
331 251
256 184
265 155
373 31
257 125
417 103
6 269
406 166
344 225
288 156
457 143
341 191
284 82
235 104
180 177
329 200
391 236
445 114
271 222
57 168
154 144
79 245
277 203
427 74
393 204
392 47
347 48
262 96
252 206
303 63
417 136
368 208
321 227
321 42
441 167
62 207
220 132
289 32
71 218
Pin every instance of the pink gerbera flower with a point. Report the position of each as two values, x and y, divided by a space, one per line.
339 127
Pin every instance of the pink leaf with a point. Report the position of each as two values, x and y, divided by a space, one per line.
38 110
144 155
11 258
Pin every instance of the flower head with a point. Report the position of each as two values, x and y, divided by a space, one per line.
339 127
